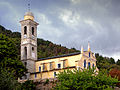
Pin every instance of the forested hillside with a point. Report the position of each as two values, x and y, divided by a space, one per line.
10 57
45 48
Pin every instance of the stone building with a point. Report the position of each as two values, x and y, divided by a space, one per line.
48 67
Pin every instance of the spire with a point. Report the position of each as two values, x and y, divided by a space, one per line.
88 46
81 49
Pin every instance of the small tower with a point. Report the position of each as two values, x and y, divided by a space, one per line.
88 46
29 41
81 49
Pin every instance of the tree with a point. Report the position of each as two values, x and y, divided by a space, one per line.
9 57
111 61
105 62
84 80
115 73
8 81
118 62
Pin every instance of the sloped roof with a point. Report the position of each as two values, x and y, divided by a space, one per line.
71 54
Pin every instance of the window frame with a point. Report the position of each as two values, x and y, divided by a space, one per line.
39 68
59 66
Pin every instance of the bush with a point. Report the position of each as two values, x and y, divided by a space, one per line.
84 80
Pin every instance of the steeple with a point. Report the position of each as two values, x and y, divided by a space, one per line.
29 41
89 46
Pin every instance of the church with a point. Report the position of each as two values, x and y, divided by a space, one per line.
48 67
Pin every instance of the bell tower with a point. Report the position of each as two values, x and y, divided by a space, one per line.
29 41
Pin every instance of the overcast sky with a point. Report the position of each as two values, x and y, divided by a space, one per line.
71 23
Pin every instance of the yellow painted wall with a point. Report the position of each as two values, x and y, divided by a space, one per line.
49 74
74 61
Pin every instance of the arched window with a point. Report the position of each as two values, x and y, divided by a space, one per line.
25 30
88 64
32 30
25 52
84 63
89 54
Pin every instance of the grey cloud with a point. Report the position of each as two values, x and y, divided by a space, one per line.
99 22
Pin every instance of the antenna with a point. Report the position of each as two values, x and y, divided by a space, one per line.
29 5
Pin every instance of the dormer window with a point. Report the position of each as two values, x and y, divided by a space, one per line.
32 30
25 30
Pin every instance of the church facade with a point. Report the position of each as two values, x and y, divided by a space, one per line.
51 66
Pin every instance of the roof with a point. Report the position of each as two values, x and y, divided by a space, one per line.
71 54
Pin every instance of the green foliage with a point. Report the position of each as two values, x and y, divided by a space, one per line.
28 85
118 62
105 62
47 81
9 57
84 80
8 81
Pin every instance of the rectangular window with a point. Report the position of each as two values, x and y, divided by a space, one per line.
39 69
54 74
59 65
64 62
35 75
50 65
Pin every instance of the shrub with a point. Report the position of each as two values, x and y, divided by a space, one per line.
84 80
